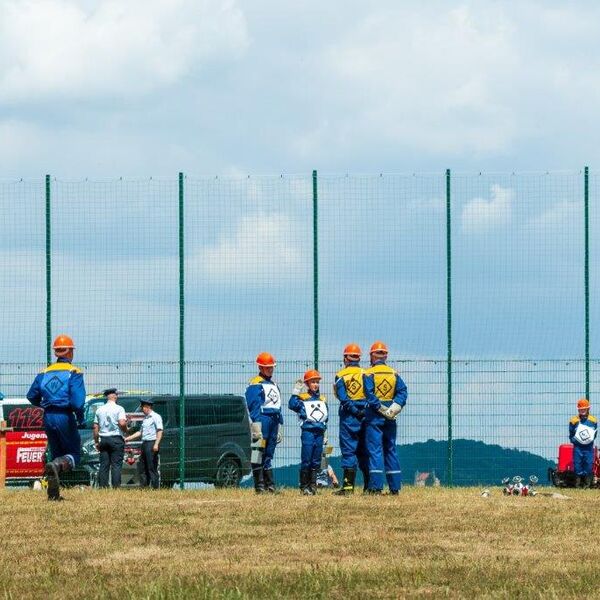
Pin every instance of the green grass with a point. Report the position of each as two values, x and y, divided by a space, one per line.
425 543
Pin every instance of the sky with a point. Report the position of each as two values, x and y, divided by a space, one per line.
113 99
154 87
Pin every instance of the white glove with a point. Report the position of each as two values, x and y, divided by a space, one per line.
393 411
382 410
256 431
280 434
298 387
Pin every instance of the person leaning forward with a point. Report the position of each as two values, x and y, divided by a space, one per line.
151 433
59 389
110 427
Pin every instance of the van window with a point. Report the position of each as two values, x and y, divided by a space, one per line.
229 409
199 411
129 403
160 406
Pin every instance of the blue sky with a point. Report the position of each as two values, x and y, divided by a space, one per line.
91 88
246 98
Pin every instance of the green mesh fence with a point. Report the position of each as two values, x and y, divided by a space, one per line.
258 276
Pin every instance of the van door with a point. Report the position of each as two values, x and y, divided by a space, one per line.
200 441
166 407
231 425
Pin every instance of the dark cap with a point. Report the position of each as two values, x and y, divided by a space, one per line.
109 391
148 401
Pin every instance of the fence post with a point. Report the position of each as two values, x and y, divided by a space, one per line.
48 276
315 268
586 276
450 457
181 338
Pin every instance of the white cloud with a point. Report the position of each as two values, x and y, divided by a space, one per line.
427 78
263 248
60 48
481 215
565 216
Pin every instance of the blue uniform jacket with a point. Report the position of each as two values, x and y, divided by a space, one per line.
315 422
256 401
59 388
399 395
590 423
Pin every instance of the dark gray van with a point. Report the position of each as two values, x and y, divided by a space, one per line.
217 439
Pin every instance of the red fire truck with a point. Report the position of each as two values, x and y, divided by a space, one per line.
26 444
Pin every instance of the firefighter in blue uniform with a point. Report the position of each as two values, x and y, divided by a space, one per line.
582 433
263 399
311 407
59 389
386 396
349 390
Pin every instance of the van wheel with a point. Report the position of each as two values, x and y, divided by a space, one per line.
229 473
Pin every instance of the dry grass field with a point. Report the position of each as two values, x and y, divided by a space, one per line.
425 543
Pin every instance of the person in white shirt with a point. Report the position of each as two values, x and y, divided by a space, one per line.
151 433
110 428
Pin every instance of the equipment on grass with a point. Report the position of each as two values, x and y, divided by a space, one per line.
564 475
516 487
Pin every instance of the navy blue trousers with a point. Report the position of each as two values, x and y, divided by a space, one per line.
583 459
312 448
63 435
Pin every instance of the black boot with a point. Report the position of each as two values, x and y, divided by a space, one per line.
577 481
305 482
53 470
313 481
269 483
587 481
365 475
259 481
348 485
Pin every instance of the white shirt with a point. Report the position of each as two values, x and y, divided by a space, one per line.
107 418
151 424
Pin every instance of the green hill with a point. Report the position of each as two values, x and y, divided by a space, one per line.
475 463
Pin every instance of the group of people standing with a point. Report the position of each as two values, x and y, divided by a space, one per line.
369 402
60 390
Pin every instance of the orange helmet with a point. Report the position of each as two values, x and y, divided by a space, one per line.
583 404
378 347
264 359
62 344
311 374
352 350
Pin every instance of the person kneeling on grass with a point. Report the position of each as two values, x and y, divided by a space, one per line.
311 407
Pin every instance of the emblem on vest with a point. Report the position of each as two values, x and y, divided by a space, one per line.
316 411
272 396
